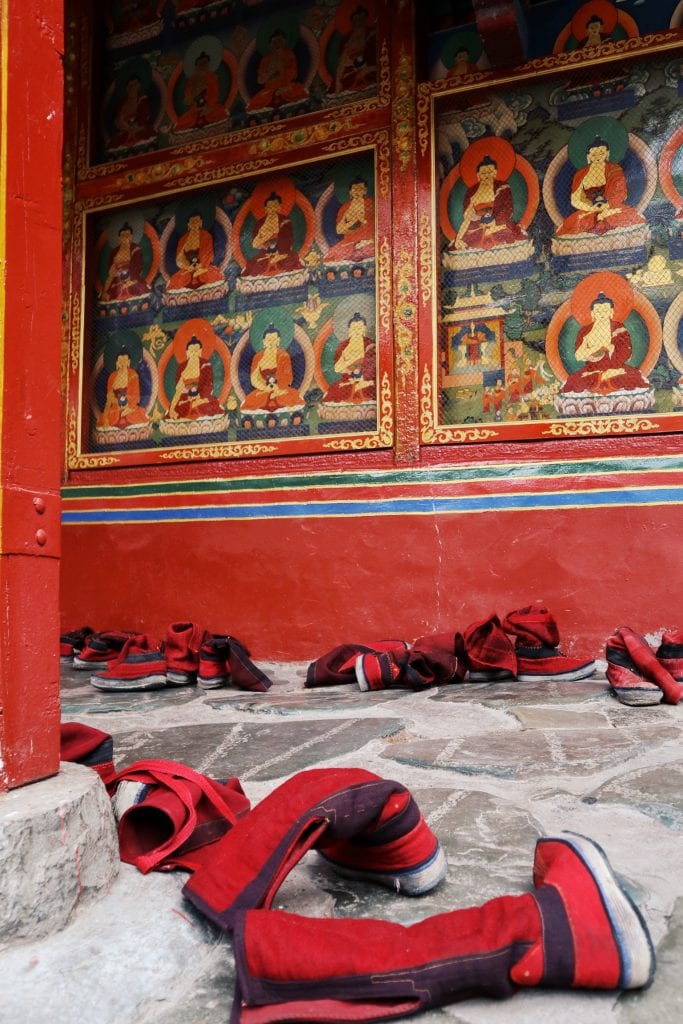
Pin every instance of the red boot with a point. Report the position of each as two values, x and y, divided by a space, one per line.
578 929
333 809
490 654
537 640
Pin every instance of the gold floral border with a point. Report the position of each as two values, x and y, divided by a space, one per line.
217 451
403 114
404 314
592 427
426 256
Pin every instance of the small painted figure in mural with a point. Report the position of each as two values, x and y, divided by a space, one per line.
273 238
488 211
271 376
132 119
125 278
605 347
593 25
195 258
356 224
122 407
599 195
357 66
277 75
193 397
354 359
201 97
462 64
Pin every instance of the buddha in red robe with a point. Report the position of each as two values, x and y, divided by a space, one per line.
194 256
132 121
271 376
357 66
193 397
122 406
356 224
487 220
125 278
277 75
201 96
274 239
604 346
599 196
354 359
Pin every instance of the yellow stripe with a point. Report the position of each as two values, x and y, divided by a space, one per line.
4 54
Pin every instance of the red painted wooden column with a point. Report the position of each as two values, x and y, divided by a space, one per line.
31 103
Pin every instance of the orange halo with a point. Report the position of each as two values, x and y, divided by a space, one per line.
498 149
606 11
198 328
615 287
283 187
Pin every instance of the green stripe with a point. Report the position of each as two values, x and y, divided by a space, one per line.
382 478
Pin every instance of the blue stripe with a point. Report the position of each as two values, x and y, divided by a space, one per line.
385 507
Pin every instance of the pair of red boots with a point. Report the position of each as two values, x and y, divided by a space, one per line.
189 654
577 929
524 646
639 676
431 661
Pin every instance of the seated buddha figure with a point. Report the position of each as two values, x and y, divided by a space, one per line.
599 196
194 258
122 406
193 397
488 212
271 376
604 346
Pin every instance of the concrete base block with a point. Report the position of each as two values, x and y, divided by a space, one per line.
58 849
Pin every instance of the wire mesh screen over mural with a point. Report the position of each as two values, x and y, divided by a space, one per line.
561 249
244 310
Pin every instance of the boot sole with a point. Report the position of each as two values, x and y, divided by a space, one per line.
155 682
556 677
629 929
412 882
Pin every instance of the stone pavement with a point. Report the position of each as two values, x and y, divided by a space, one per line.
491 765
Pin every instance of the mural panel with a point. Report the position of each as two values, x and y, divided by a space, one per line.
241 312
179 71
560 252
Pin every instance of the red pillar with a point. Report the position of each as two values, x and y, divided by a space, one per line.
31 110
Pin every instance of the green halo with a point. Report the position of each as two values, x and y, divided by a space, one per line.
344 175
287 24
281 320
128 340
607 128
362 303
136 67
113 225
465 39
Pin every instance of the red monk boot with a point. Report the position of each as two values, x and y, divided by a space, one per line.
578 929
336 810
489 652
539 657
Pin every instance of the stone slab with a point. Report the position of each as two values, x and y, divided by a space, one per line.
511 692
528 754
58 851
656 792
338 698
254 750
